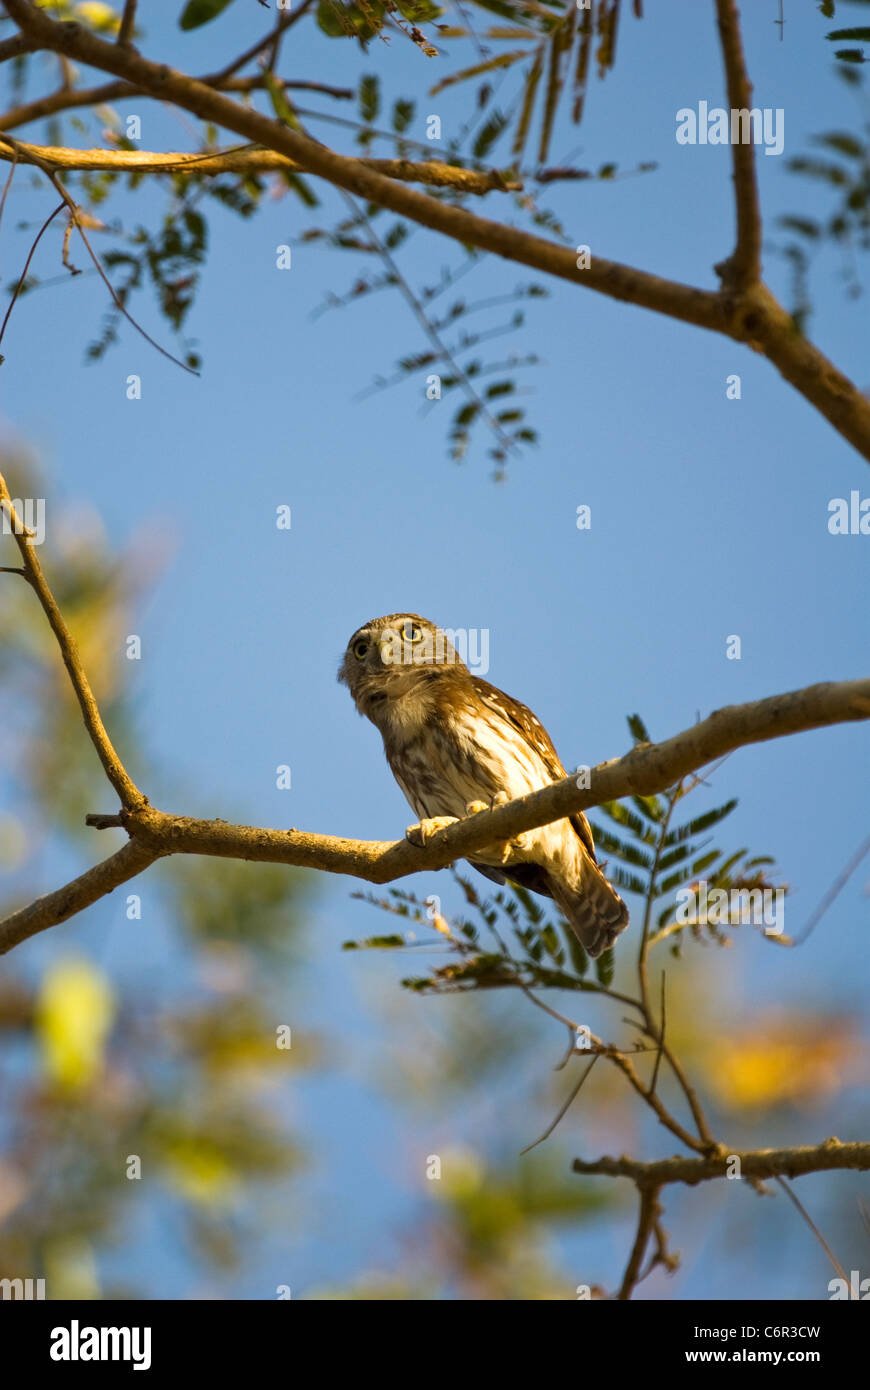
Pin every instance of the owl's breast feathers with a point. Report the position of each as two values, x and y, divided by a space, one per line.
454 738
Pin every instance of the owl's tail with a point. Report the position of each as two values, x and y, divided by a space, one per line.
594 909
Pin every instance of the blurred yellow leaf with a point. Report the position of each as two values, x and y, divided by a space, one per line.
199 1171
98 16
71 1269
791 1060
75 1008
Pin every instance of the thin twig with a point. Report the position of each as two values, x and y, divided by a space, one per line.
36 242
442 350
836 887
563 1109
812 1225
50 174
130 795
662 1021
648 1215
8 183
285 22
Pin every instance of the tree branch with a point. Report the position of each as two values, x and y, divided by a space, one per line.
285 22
648 1218
128 22
246 160
645 771
16 46
743 268
753 316
128 793
758 1163
65 902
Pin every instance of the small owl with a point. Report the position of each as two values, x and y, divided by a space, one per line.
456 746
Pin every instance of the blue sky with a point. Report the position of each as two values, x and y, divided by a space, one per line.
709 518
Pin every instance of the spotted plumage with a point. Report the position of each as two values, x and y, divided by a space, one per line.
457 745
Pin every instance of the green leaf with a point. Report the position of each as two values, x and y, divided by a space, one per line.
699 824
630 882
403 115
532 79
638 729
560 47
724 869
622 816
329 20
396 235
850 55
604 967
804 226
280 105
466 414
705 861
197 12
502 60
302 189
488 134
610 844
551 944
819 169
378 943
667 885
860 32
419 11
579 958
676 856
369 97
843 143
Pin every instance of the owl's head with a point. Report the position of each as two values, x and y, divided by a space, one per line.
389 657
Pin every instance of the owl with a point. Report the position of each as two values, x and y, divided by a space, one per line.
456 746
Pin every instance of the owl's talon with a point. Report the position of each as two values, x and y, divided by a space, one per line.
520 844
474 808
423 831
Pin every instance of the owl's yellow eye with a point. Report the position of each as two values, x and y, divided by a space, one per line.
359 649
413 633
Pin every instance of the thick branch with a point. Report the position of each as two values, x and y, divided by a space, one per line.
646 770
759 1164
251 161
744 266
16 46
65 902
754 317
620 282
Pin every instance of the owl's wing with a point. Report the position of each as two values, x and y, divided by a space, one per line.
530 726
